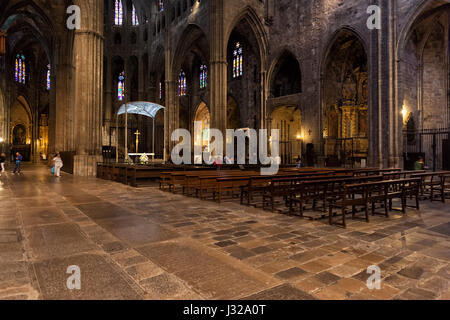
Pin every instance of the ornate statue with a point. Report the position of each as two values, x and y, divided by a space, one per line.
349 89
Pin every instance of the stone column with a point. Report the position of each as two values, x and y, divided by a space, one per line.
264 97
140 70
170 116
447 65
376 142
269 9
88 94
108 114
218 66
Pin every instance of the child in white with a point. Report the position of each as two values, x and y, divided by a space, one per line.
58 163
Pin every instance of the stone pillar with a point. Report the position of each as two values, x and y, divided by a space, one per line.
218 66
170 116
108 114
61 99
447 65
88 94
375 93
269 10
171 112
264 97
140 70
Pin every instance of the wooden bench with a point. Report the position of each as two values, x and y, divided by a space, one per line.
324 191
430 182
370 193
258 184
348 199
441 189
218 183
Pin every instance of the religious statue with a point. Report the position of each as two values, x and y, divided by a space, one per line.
349 89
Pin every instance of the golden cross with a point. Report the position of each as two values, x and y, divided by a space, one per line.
137 133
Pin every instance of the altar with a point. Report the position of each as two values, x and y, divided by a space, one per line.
147 109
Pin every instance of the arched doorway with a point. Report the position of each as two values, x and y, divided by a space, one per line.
202 137
21 128
423 86
288 120
345 101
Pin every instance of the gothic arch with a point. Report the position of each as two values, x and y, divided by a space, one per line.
345 83
287 65
249 15
190 37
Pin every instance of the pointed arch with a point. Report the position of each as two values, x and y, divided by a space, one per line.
249 15
345 96
193 35
285 61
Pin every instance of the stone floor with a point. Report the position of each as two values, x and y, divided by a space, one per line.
147 244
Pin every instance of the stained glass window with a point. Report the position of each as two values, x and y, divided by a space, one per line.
160 91
182 88
118 13
121 87
203 76
20 69
48 77
161 5
237 61
134 17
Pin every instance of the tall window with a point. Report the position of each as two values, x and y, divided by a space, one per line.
121 87
203 76
48 77
237 61
182 88
134 17
20 70
161 5
160 91
118 13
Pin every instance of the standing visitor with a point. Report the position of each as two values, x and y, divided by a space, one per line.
18 159
299 163
2 163
58 164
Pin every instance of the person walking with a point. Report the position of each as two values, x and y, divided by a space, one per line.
2 163
18 159
58 164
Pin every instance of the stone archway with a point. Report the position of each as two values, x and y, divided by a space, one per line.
345 100
203 116
423 83
21 128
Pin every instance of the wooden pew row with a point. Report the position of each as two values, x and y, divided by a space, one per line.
323 191
366 194
187 180
251 184
432 184
260 185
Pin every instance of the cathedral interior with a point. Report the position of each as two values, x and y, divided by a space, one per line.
311 69
99 80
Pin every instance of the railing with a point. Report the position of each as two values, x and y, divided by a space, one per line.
433 145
